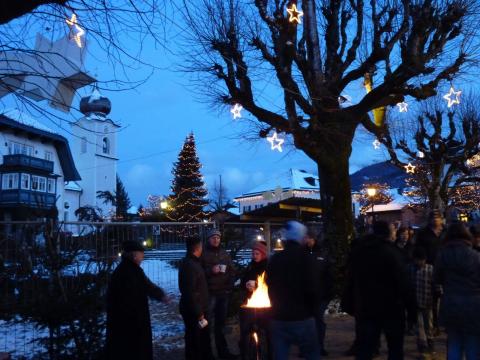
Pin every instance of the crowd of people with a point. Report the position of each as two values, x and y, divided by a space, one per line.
397 283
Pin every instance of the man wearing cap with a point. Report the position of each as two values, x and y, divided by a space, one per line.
129 332
292 292
220 272
194 302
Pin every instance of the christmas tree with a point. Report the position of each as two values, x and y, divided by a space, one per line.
189 194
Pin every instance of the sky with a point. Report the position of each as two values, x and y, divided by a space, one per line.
157 116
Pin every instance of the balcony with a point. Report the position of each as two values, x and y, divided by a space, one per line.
33 199
20 161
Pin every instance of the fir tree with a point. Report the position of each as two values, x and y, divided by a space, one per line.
122 200
188 189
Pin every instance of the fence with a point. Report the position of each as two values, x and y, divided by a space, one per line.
53 280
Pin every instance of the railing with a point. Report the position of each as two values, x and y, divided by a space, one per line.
20 160
28 198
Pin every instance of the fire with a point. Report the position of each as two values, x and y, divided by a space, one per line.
259 298
255 337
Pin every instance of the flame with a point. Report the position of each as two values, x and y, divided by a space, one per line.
259 298
255 337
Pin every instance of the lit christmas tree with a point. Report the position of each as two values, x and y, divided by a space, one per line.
189 194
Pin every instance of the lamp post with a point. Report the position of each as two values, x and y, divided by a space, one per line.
371 192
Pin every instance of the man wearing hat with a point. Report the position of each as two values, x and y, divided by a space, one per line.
220 272
292 292
129 332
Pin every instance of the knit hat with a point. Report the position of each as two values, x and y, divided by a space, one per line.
260 247
132 245
213 232
295 231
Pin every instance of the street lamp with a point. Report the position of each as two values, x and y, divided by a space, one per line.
371 192
164 205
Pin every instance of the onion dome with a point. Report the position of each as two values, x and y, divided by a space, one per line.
95 103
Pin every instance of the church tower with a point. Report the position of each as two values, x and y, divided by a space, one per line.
95 150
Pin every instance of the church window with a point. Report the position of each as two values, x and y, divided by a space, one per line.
106 146
84 145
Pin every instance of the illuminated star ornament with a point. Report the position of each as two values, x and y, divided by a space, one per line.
453 97
78 32
410 169
295 14
376 144
236 111
275 142
402 106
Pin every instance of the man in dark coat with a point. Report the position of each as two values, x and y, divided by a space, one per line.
129 332
380 289
220 273
194 303
324 285
291 288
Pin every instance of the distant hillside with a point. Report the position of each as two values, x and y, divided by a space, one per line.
383 172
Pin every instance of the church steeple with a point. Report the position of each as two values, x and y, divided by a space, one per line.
95 103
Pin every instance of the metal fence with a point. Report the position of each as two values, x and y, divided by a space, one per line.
53 278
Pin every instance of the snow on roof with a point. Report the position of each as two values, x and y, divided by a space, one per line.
392 206
73 186
27 120
95 95
291 180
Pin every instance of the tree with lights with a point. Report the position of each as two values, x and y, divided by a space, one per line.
310 53
373 194
439 146
188 197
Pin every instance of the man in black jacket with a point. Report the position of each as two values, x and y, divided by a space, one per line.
380 290
291 288
220 273
194 302
129 332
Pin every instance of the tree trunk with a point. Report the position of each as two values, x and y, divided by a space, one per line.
337 214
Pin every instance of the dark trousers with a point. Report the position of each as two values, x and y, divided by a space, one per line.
301 333
217 316
320 322
197 340
369 331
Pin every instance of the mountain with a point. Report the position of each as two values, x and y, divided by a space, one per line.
383 172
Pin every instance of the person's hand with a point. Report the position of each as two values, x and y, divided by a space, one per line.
216 269
201 317
250 285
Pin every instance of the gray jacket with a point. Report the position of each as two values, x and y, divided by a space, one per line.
457 269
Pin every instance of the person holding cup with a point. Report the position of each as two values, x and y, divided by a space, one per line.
220 273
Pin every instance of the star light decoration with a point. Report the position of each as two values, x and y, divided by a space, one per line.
295 14
402 106
275 142
236 111
78 32
376 144
452 101
420 154
409 168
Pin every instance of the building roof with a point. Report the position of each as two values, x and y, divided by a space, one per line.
304 209
293 179
73 186
27 120
35 128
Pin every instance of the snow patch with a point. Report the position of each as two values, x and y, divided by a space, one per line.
22 118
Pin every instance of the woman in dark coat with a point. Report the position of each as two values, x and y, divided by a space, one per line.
457 269
255 268
129 332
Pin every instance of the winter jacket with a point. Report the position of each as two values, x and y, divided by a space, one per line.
457 269
193 287
252 272
323 274
377 284
129 333
291 283
221 283
430 242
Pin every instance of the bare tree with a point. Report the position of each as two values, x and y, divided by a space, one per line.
436 149
381 195
404 49
219 200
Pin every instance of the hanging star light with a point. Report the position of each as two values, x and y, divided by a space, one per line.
295 14
236 111
376 144
79 31
402 106
276 142
452 101
410 169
